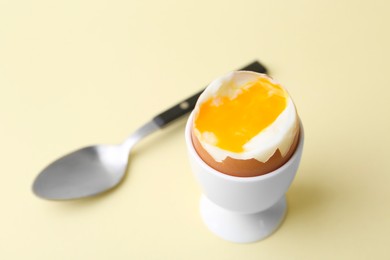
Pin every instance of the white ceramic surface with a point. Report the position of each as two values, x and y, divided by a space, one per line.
241 227
242 209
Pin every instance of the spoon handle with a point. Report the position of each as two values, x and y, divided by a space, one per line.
188 104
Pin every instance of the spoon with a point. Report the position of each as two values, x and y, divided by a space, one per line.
96 169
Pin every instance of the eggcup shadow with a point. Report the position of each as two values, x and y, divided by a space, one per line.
306 197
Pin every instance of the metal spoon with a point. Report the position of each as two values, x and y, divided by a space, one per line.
95 169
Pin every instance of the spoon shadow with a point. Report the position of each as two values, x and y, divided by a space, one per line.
160 138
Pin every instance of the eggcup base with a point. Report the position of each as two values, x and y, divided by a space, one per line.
240 227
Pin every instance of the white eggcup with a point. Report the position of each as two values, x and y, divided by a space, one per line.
242 209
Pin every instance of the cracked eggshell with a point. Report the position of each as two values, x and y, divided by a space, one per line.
239 164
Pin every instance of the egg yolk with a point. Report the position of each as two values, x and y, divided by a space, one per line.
234 121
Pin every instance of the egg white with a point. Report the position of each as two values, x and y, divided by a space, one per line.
279 135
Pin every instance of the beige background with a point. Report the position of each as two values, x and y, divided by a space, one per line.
74 73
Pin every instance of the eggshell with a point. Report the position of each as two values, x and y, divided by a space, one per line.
245 168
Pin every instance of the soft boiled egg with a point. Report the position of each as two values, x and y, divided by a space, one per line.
245 124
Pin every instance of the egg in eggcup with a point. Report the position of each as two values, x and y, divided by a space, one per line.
245 124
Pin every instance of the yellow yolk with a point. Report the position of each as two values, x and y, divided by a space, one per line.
234 121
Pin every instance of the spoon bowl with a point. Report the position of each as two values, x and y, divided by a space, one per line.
88 171
83 173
